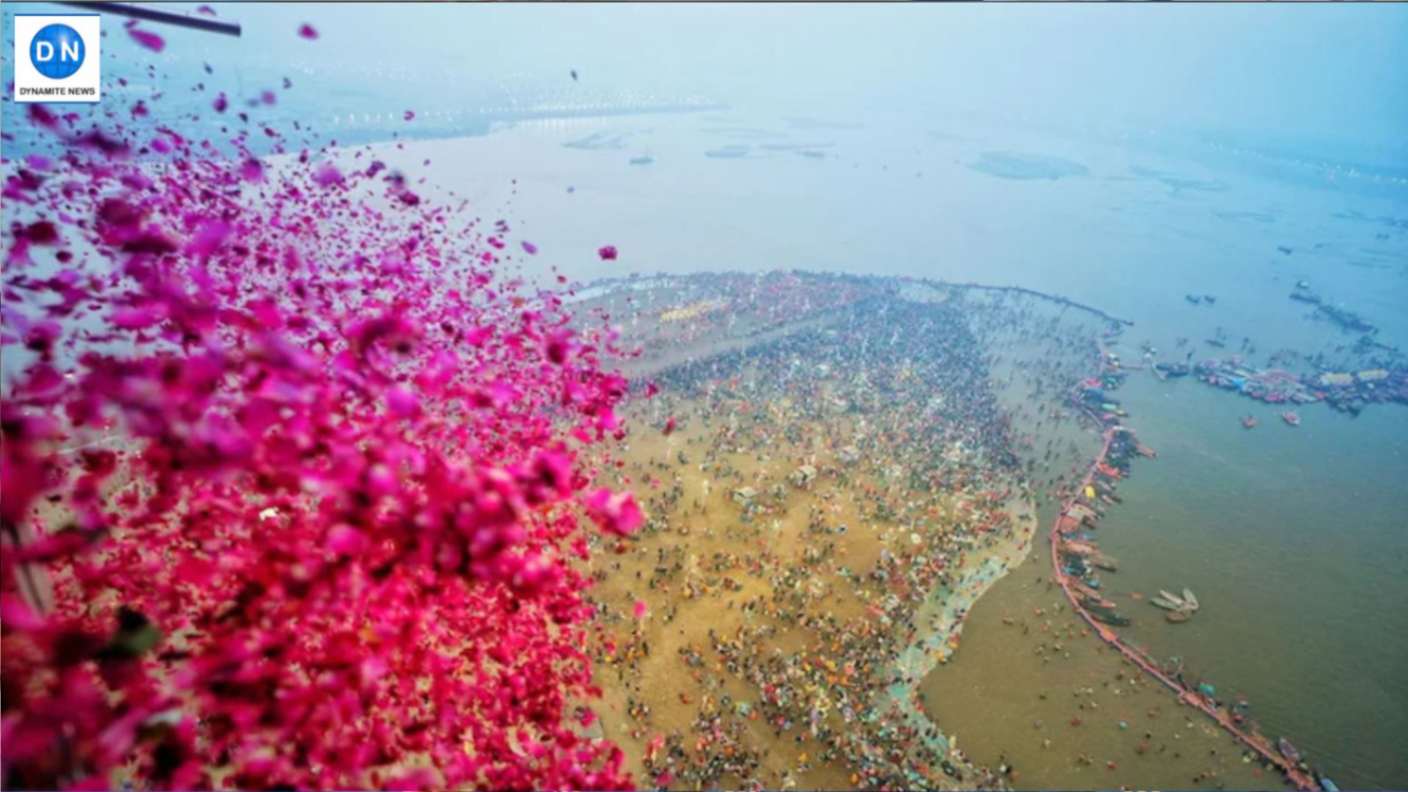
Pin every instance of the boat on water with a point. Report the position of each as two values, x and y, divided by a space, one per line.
1076 548
1166 370
1327 785
1190 600
1287 750
1174 598
1082 589
1097 601
1291 417
1102 561
1249 422
1110 617
1177 616
1165 604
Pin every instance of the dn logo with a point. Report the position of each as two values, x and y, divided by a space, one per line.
56 51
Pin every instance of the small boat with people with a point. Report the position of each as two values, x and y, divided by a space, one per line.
1291 417
1165 371
1177 616
1249 422
1288 750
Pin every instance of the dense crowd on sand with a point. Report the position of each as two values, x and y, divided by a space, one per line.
806 496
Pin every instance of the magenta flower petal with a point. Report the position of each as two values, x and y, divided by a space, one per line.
147 39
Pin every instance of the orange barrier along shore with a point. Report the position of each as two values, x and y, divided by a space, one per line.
1256 742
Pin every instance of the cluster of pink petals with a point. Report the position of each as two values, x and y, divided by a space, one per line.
615 512
303 471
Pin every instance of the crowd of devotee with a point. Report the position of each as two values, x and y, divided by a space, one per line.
820 502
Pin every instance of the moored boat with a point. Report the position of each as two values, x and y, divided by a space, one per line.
1287 750
1097 602
1165 604
1178 616
1076 548
1101 561
1109 617
1174 598
1190 600
1080 588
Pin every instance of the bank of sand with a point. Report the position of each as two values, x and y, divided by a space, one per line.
677 621
726 599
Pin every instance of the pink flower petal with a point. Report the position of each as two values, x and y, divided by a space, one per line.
147 39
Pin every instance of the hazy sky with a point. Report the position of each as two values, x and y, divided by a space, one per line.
1298 71
1312 70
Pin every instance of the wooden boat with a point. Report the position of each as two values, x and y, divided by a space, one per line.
1249 422
1109 617
1177 616
1097 602
1102 561
1190 600
1291 417
1165 604
1174 598
1081 512
1084 590
1076 548
1287 750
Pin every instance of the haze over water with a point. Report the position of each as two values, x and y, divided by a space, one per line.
1121 156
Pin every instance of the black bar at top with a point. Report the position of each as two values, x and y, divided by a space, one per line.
164 17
